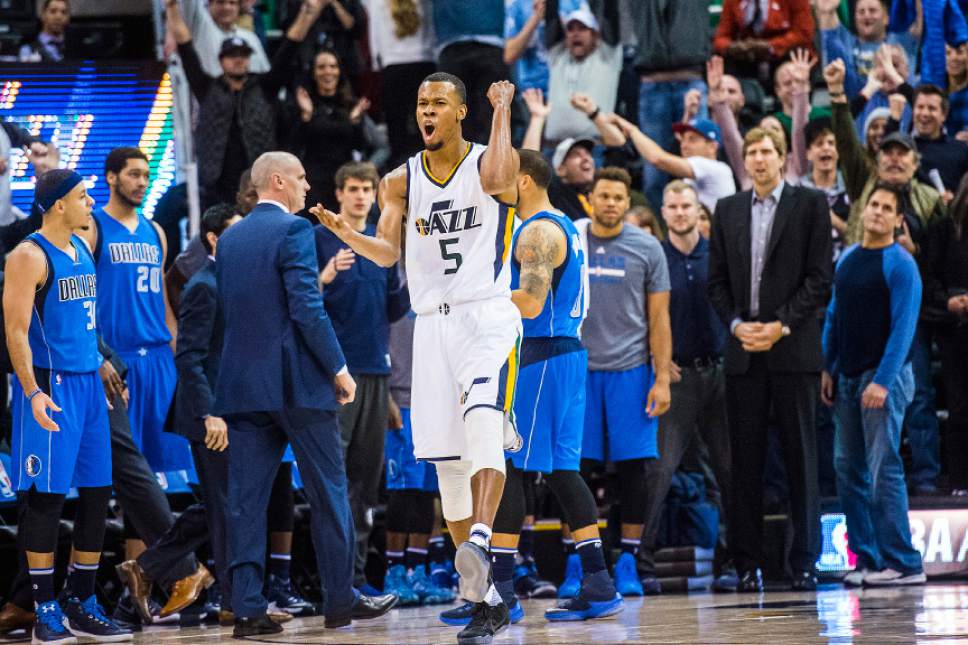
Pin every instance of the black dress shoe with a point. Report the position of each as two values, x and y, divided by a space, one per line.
804 581
364 608
751 581
255 626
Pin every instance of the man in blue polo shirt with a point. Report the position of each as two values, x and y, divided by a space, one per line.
698 387
867 378
362 299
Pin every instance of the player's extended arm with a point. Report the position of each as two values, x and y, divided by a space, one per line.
660 345
500 162
25 272
170 320
540 249
384 249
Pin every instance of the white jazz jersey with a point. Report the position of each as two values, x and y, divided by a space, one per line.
458 236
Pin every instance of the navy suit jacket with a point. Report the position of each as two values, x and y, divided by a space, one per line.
280 350
201 329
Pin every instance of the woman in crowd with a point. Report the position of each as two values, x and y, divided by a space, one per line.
330 127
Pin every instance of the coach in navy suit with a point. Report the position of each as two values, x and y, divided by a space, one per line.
281 378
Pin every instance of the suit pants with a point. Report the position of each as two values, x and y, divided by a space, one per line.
142 499
750 397
698 405
363 429
258 441
199 523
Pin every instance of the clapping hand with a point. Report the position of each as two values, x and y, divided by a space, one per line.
534 100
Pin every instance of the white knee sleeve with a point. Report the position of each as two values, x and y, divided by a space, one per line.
485 439
454 480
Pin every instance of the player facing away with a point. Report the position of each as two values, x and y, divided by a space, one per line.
455 200
61 436
136 319
549 278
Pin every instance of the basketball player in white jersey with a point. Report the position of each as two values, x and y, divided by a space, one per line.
455 199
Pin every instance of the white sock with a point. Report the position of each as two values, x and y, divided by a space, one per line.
481 535
493 597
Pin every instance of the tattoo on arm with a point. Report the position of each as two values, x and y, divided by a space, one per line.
537 250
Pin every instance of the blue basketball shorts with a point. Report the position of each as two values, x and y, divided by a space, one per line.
550 411
151 382
79 454
617 427
404 472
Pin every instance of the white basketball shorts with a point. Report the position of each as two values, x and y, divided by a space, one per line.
464 356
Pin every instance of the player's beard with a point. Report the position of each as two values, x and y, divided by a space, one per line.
433 147
127 201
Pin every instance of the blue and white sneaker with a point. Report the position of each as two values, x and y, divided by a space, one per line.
571 585
627 576
397 583
87 620
49 626
597 599
427 591
281 597
460 616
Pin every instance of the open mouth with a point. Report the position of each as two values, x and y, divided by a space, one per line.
429 129
826 158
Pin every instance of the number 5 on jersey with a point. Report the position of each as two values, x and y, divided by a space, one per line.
451 256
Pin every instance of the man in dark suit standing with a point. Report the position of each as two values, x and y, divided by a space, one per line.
769 278
282 377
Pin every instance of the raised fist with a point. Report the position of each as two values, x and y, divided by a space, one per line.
500 94
834 75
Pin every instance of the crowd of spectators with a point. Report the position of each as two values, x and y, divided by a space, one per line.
852 95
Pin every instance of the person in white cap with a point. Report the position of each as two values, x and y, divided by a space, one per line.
586 58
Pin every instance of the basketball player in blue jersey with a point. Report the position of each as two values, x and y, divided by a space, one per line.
136 319
61 436
549 282
454 199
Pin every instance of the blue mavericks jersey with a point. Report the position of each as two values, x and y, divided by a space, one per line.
564 309
63 328
131 306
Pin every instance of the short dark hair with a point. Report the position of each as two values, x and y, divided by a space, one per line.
215 220
359 170
613 173
534 165
930 89
47 3
444 77
117 159
887 188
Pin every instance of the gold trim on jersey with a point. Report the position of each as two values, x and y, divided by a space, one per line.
450 175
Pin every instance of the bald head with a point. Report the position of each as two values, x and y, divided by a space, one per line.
280 176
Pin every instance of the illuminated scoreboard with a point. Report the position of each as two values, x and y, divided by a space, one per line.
85 110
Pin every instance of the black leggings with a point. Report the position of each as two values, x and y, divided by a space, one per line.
571 491
410 511
42 519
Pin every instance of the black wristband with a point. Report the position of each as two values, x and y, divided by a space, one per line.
595 114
